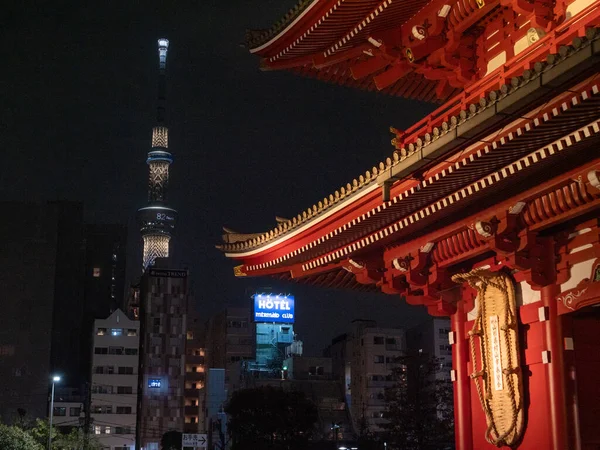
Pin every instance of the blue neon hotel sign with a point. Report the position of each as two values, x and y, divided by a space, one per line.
154 383
273 308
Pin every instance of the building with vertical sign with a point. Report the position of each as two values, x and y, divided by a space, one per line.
164 300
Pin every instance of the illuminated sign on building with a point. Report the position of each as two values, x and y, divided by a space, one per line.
273 308
168 273
154 383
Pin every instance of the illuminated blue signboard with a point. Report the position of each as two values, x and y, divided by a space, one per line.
273 308
154 383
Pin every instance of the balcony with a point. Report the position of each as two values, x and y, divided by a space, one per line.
194 376
192 411
191 393
196 360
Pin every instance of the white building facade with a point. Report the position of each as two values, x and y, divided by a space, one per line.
114 381
364 359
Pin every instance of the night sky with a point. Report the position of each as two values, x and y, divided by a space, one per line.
77 95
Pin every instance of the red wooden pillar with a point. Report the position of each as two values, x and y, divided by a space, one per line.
462 389
556 380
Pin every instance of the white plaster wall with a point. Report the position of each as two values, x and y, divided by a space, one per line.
576 7
578 272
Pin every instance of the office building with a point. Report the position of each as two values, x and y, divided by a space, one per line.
230 338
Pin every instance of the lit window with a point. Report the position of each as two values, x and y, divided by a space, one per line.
116 331
131 332
107 430
97 429
101 332
96 272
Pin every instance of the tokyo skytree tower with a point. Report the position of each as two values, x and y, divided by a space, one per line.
156 219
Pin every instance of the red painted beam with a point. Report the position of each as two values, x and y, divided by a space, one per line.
393 74
368 67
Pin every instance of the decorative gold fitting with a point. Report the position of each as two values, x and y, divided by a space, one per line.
480 3
409 55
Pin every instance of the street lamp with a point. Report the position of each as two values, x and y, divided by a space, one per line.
335 427
55 379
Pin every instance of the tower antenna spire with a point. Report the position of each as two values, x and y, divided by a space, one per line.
163 48
157 220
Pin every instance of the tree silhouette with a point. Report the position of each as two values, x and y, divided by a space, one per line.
171 440
420 405
269 418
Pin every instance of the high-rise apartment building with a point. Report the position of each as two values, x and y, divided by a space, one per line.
105 265
114 378
365 357
105 253
41 274
45 327
195 375
164 299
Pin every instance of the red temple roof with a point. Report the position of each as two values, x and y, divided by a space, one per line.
534 116
329 40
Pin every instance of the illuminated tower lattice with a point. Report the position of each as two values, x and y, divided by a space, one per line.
157 220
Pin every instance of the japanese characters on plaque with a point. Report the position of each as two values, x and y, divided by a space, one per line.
496 355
